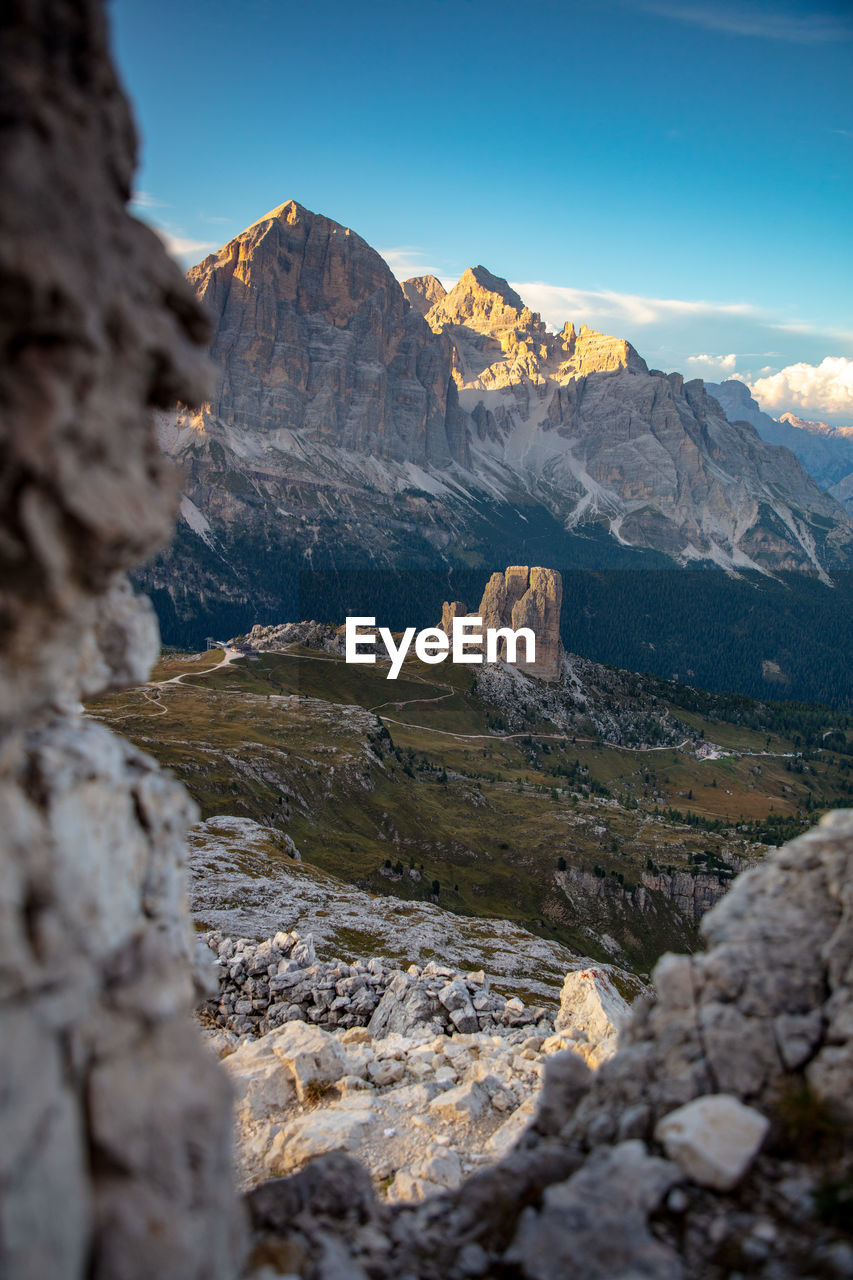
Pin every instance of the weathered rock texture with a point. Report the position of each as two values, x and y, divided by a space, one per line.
115 1159
312 334
417 1109
423 292
524 597
692 892
716 1142
520 597
590 1003
262 985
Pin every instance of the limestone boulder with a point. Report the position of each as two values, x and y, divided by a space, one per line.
312 1057
591 1014
713 1139
263 1088
319 1132
462 1104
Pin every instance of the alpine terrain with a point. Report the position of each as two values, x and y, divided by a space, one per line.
357 423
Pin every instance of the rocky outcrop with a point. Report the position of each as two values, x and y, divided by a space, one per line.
692 893
520 597
449 610
423 292
528 597
715 1142
591 1006
115 1159
261 985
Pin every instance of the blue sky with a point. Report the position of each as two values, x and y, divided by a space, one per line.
678 172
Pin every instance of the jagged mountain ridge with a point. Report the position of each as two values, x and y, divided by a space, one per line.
347 429
843 492
596 435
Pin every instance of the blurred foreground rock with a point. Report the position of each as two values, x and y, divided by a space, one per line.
115 1159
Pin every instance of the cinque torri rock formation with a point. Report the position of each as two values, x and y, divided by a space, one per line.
357 423
520 597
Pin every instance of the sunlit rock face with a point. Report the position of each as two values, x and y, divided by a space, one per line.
520 597
531 598
313 335
579 419
423 292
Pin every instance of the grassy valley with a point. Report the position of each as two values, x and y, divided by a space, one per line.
416 788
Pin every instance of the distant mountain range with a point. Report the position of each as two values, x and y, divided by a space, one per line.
825 451
358 424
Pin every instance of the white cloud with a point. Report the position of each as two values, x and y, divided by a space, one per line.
406 261
186 246
187 250
556 303
769 24
144 200
712 365
826 388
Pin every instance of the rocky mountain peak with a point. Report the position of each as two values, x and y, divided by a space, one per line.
423 292
733 394
290 211
292 255
816 428
312 333
594 352
486 282
331 382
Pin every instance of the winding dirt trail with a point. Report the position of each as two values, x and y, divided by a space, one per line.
230 656
450 733
539 737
